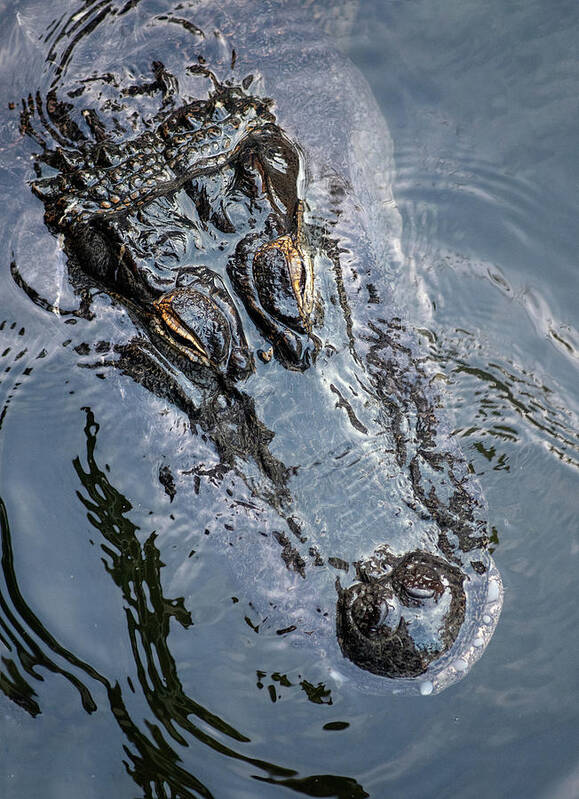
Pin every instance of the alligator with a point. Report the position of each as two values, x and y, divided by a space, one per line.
237 205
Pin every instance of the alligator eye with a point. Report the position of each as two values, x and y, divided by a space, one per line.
283 282
421 585
193 321
275 281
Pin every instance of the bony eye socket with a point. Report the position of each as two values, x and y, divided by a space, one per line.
199 320
274 277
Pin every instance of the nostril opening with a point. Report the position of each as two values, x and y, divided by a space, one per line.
375 611
379 621
420 593
384 611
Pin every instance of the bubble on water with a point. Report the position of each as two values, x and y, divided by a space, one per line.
494 591
338 677
426 688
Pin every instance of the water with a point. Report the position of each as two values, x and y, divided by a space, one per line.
481 105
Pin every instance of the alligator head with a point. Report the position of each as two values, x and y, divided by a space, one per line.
136 212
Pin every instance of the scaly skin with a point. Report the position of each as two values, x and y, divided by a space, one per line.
110 198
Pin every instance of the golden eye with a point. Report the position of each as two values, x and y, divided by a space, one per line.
283 282
173 309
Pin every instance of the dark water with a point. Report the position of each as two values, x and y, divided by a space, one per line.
117 696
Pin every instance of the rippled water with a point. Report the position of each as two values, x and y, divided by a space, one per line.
481 104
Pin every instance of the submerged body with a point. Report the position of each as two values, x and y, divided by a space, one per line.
237 204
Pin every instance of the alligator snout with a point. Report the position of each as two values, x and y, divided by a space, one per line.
398 620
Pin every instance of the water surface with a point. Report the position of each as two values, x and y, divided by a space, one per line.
481 105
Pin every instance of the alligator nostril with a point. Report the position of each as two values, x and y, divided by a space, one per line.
375 610
388 615
420 593
384 611
378 621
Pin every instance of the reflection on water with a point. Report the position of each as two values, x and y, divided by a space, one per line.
135 568
507 397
